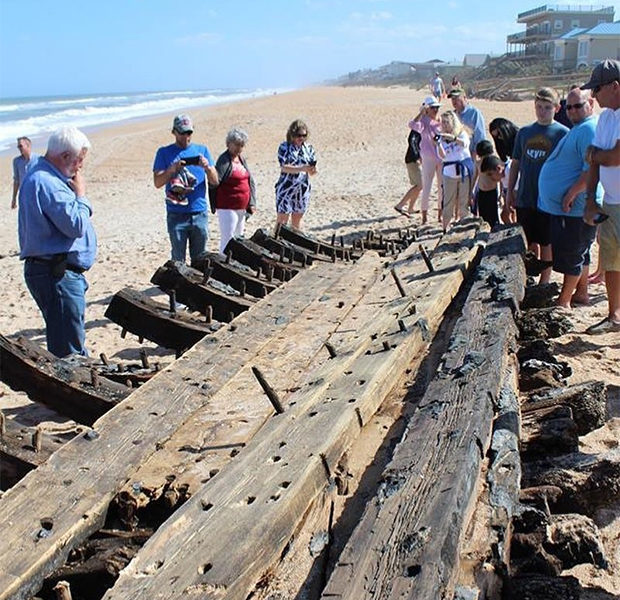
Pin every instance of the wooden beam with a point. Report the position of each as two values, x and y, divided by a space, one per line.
152 320
221 541
63 386
75 486
406 545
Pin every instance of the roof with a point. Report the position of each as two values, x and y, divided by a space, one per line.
605 29
573 33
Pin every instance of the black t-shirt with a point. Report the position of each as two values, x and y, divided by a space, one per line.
413 147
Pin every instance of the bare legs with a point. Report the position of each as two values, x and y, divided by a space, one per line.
282 219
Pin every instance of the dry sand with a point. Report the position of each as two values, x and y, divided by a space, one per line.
360 138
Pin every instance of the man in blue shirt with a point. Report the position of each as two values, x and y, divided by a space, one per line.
470 116
26 160
562 194
57 240
186 209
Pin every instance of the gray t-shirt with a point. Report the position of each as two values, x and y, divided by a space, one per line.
21 166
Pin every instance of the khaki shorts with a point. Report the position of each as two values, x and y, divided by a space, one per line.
415 174
609 238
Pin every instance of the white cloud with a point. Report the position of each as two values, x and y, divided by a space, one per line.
381 16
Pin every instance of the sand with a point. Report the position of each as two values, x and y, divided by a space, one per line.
360 137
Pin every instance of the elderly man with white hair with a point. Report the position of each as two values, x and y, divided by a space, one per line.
57 240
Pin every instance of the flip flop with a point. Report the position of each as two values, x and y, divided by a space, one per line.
402 211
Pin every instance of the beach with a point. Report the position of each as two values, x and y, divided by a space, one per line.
360 138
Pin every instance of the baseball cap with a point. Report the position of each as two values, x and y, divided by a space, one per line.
182 124
548 95
454 92
431 101
604 73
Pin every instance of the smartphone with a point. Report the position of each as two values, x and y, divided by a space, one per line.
191 160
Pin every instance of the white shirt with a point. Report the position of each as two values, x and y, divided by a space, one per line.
455 152
606 136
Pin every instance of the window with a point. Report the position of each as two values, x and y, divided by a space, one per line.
583 49
559 51
574 23
558 24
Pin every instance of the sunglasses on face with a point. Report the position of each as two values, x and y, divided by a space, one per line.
185 132
576 106
301 135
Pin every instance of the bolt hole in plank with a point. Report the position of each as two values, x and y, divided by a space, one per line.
47 523
285 484
352 400
274 498
275 459
282 444
313 414
361 382
154 414
205 505
250 500
202 569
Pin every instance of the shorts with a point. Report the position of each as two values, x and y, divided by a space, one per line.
609 238
536 225
415 174
571 239
486 202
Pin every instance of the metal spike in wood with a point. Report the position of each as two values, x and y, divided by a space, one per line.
331 350
333 239
342 241
276 231
231 316
94 378
347 255
368 235
173 301
37 439
402 326
269 273
228 257
269 391
258 272
281 255
140 339
362 246
123 333
144 358
427 260
398 282
104 359
334 257
386 345
381 239
121 368
209 314
263 291
2 425
242 289
206 274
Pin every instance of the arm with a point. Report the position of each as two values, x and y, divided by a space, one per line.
574 190
161 178
68 210
604 158
15 190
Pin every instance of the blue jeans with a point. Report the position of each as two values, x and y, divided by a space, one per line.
184 227
63 304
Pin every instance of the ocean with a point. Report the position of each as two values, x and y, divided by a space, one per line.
36 117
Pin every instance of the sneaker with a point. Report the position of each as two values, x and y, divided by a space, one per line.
175 198
604 326
177 185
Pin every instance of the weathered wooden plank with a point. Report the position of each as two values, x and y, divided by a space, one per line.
199 295
213 435
309 242
285 249
67 388
406 545
257 257
75 486
147 318
237 275
265 491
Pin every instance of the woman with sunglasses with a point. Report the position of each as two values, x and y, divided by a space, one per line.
504 133
297 161
428 126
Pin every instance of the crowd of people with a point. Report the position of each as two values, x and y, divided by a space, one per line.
558 177
558 183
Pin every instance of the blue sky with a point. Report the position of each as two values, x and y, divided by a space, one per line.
50 47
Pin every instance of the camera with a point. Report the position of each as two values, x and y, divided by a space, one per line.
191 160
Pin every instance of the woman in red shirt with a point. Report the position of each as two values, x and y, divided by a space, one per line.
235 196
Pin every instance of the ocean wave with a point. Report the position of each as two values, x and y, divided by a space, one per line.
40 118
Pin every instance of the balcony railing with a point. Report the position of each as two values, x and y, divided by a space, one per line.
566 8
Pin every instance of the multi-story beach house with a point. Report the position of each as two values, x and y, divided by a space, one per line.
583 48
547 23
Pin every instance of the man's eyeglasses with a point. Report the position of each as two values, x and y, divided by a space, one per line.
576 106
185 132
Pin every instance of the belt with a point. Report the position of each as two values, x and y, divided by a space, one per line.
50 262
